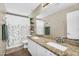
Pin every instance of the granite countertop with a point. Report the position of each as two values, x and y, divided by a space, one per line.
72 50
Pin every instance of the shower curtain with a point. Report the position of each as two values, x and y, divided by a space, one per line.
18 30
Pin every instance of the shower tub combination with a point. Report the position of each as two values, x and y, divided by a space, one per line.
17 30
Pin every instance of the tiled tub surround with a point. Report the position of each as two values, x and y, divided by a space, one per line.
72 50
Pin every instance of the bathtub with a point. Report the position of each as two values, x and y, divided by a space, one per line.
14 48
17 45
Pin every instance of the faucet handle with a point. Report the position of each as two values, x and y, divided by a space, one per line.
60 39
57 39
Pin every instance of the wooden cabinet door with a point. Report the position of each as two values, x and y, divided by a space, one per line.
32 47
37 50
41 51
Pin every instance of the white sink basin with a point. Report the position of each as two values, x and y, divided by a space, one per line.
57 46
35 37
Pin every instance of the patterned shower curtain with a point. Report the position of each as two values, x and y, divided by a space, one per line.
17 33
18 28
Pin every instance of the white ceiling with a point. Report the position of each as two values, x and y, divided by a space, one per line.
53 8
21 8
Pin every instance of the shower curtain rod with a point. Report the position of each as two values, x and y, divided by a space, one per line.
16 14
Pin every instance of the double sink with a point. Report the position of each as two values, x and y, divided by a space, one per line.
54 44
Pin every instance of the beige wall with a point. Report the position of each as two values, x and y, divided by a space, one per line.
57 21
1 17
2 44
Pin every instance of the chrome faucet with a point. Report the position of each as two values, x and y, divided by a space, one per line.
60 39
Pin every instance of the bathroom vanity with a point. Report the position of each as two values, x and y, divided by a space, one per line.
37 50
40 46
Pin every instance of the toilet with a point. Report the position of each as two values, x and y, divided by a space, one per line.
25 42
